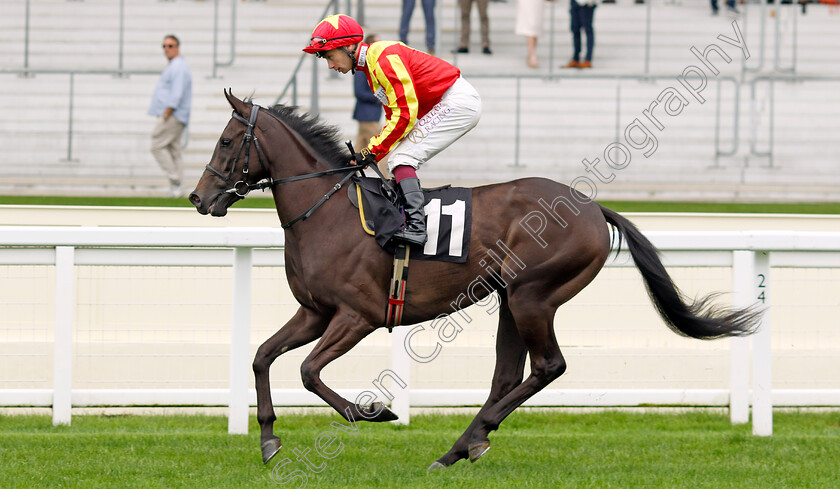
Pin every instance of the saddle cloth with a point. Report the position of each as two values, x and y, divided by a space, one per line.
448 218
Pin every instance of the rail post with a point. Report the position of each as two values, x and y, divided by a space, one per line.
401 365
762 410
743 271
63 341
240 341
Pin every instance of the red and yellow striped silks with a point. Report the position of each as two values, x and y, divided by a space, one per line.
409 83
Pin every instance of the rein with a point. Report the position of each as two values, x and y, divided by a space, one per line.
241 188
326 196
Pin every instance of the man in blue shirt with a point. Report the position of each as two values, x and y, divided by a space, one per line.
171 103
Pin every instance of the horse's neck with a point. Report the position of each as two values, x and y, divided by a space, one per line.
298 158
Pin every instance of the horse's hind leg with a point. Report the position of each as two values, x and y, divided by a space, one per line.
535 322
304 327
510 365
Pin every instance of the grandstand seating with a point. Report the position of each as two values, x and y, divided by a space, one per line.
562 120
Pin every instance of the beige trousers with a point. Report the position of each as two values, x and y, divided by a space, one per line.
466 7
166 147
367 130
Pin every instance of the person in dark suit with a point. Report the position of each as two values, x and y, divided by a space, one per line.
730 5
581 13
368 109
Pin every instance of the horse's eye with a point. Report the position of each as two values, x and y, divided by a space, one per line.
225 142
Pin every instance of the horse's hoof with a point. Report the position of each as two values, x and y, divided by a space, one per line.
385 414
270 448
376 413
478 449
436 466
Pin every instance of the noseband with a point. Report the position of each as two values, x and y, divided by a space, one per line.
241 188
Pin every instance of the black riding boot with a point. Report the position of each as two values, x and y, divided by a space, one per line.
414 231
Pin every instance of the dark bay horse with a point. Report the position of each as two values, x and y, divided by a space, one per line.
555 241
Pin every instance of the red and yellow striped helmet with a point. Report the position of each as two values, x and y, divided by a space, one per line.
334 32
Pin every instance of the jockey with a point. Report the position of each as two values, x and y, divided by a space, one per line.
427 106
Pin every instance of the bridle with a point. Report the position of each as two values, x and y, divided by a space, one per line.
241 188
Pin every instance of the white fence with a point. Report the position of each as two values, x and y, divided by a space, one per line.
751 255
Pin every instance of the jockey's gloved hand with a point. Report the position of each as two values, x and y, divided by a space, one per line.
365 157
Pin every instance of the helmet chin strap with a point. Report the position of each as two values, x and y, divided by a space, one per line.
352 55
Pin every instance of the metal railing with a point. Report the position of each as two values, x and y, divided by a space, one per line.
618 78
762 30
736 119
333 5
719 152
120 71
779 41
71 91
517 117
229 62
779 7
793 10
771 79
292 83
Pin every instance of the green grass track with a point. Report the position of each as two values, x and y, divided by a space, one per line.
607 449
262 202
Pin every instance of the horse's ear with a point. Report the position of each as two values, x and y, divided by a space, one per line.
239 106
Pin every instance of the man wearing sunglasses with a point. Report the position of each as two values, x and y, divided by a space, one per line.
428 106
171 103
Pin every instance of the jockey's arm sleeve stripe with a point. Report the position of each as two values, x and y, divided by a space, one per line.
393 76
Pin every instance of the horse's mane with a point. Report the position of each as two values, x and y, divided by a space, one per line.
325 138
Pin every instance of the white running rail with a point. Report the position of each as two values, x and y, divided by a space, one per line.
751 255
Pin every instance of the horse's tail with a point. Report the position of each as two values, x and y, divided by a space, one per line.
700 319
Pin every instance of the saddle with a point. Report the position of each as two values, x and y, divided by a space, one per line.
378 204
448 238
448 218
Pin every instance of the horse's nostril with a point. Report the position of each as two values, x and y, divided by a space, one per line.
196 201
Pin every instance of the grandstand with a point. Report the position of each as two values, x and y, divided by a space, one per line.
767 130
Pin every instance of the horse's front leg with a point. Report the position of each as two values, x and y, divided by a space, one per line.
345 331
304 327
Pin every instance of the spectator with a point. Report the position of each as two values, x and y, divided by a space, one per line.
582 14
171 103
368 109
529 21
429 13
730 5
466 8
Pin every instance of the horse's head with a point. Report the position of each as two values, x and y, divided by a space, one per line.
237 162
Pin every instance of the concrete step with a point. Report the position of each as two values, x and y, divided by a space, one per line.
562 120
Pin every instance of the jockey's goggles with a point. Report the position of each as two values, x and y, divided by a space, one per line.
319 44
